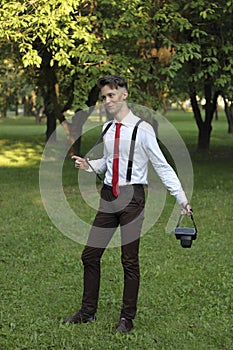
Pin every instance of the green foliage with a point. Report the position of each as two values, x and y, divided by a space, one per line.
12 79
206 46
65 31
84 38
56 24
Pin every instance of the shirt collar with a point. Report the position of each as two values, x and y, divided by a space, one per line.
129 120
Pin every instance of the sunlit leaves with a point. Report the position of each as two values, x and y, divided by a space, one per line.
91 38
61 26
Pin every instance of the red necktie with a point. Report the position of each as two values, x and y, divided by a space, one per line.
115 168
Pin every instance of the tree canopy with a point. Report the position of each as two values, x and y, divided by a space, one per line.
161 46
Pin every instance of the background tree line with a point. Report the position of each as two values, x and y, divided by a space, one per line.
166 49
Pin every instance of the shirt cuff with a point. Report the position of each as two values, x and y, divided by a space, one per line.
181 197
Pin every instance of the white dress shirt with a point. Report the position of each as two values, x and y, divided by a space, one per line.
146 148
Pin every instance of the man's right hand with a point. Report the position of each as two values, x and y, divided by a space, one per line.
80 163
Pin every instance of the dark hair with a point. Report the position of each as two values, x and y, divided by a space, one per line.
114 81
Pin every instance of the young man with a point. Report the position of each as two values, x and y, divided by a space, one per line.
122 199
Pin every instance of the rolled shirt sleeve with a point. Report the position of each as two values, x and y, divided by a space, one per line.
98 165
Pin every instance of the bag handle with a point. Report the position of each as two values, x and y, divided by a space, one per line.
192 218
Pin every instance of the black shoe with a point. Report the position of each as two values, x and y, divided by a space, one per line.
125 325
80 317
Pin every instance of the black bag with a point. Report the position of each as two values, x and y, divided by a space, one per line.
184 234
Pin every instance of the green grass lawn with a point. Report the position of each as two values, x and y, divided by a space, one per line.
185 300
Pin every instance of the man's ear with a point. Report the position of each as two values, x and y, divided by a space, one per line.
125 95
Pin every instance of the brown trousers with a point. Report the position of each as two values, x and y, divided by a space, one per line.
127 210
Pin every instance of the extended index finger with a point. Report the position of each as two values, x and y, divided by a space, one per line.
76 158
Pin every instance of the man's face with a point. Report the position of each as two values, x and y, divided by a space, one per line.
113 99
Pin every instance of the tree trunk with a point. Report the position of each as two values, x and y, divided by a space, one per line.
25 106
230 123
80 118
203 140
51 127
16 104
229 114
76 128
3 112
204 136
49 89
205 126
4 109
53 110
